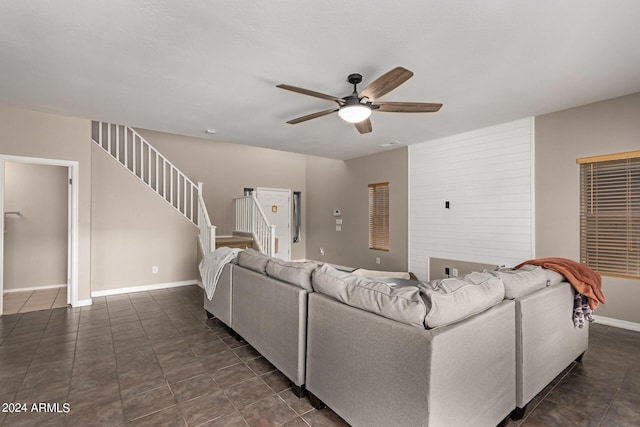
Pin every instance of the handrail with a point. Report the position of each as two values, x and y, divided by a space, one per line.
250 218
156 171
207 230
139 157
133 131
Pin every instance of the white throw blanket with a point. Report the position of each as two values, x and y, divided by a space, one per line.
211 267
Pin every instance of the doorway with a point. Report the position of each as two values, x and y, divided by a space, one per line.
38 245
276 204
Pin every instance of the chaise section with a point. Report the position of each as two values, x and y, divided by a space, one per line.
546 340
220 303
271 315
375 371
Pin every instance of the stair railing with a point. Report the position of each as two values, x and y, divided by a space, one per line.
141 159
207 230
250 218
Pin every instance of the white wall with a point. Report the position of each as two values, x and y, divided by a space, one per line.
486 175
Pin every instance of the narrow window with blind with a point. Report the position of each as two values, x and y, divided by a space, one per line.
379 216
610 214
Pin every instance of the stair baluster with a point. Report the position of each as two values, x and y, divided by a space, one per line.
132 151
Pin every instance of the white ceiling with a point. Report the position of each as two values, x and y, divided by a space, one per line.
185 66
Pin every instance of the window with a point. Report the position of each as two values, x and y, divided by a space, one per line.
610 214
379 216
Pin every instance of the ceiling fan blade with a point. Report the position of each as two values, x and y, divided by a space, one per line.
364 126
312 116
311 93
408 107
386 83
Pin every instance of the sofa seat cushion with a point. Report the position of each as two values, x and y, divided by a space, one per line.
401 303
253 260
520 282
295 273
454 299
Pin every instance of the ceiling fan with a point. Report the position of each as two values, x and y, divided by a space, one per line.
357 107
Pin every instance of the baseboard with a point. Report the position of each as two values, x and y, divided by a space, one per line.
34 288
83 303
622 324
143 288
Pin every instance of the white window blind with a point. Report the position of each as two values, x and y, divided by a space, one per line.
379 216
610 214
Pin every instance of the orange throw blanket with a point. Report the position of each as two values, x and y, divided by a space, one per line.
584 280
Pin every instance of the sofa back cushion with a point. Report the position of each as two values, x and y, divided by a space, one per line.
553 277
377 274
253 260
455 299
295 273
401 303
518 283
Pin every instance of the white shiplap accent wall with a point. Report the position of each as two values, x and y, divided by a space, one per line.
487 176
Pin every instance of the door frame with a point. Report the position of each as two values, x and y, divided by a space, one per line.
288 191
73 223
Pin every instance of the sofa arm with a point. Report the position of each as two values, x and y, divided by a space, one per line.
272 316
546 339
220 304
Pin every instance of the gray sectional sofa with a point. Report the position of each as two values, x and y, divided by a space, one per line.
380 352
264 301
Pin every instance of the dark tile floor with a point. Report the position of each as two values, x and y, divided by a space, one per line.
153 359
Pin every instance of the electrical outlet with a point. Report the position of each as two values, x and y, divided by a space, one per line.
377 260
154 269
322 251
455 272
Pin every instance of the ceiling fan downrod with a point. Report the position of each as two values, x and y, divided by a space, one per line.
355 79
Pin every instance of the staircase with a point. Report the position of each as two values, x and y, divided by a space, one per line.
138 156
250 220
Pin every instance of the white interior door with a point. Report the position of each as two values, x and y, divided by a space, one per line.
276 204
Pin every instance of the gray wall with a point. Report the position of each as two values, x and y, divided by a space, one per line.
33 134
606 127
35 243
134 229
336 184
226 169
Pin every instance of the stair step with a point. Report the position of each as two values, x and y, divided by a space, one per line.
234 242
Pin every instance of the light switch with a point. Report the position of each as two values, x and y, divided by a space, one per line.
339 221
338 228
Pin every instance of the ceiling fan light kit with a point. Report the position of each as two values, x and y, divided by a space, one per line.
357 107
354 113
